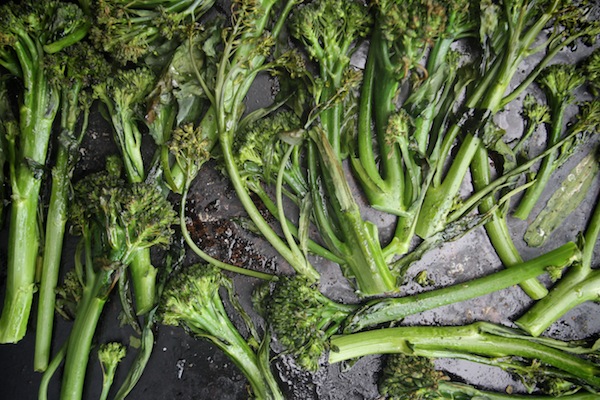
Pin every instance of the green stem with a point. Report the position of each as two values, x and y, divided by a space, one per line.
542 176
55 231
569 293
49 372
485 342
382 182
81 336
143 277
299 264
440 199
453 390
23 243
497 228
580 284
361 251
313 247
395 309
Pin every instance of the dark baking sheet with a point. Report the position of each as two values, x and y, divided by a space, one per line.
183 368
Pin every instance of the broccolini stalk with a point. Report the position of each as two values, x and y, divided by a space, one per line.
329 31
406 376
405 32
83 68
109 355
133 30
245 50
576 287
124 95
386 310
505 48
357 242
559 82
29 31
116 220
191 299
537 361
566 198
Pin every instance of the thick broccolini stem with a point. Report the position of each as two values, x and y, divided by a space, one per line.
497 228
482 342
383 188
81 336
395 309
27 148
580 284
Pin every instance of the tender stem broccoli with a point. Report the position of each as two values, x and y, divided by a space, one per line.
303 319
191 299
83 68
566 198
109 355
29 32
124 95
379 311
576 287
559 82
538 362
330 32
244 54
116 220
390 169
133 30
413 377
509 34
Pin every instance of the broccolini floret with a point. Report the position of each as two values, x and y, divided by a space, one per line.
132 30
109 355
191 299
303 319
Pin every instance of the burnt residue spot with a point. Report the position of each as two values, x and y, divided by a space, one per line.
221 238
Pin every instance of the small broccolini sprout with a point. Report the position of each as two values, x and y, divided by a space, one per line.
109 355
191 299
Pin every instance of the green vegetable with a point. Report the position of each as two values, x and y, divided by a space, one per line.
191 299
109 355
303 319
83 68
392 309
30 31
115 219
559 82
245 50
133 30
565 199
536 361
408 377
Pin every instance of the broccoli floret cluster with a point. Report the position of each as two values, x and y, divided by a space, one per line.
303 319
